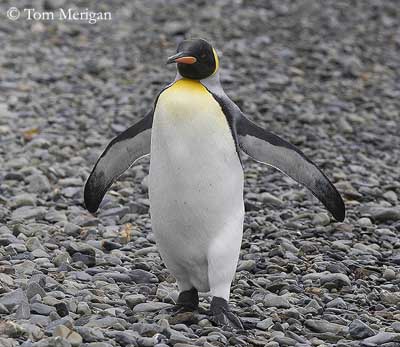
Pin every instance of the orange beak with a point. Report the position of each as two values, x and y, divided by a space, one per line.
182 58
186 60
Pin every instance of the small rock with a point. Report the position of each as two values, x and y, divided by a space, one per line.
62 309
321 219
62 258
336 279
389 274
14 298
28 212
142 276
396 327
390 298
323 326
71 336
272 300
33 243
23 311
390 196
150 306
380 339
41 309
337 303
360 330
364 222
265 324
134 299
269 199
38 184
384 214
83 308
246 265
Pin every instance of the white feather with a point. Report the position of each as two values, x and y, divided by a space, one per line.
196 189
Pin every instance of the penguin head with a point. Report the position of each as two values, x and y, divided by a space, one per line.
196 59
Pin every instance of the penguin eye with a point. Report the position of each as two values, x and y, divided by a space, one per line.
203 55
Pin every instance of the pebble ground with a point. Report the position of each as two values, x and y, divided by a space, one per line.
324 75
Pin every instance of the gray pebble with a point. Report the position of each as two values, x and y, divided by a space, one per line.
150 306
360 330
14 298
134 299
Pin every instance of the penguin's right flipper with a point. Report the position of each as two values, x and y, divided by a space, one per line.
121 153
268 148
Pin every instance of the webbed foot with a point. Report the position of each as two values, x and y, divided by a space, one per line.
222 315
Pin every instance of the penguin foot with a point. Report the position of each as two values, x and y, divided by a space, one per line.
188 300
222 315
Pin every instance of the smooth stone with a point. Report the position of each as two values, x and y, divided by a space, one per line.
380 339
364 222
337 279
90 334
246 265
28 212
107 322
265 324
396 327
321 219
360 330
323 326
269 199
273 300
150 306
384 214
390 196
389 274
141 276
337 303
134 299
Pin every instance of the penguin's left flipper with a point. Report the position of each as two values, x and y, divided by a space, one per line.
270 149
121 153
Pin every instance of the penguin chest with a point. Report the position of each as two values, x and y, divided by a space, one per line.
196 178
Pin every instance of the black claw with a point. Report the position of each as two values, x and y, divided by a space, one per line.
222 315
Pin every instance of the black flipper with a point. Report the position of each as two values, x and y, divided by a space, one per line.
121 153
270 149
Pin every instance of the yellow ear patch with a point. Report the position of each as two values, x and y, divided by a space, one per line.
216 61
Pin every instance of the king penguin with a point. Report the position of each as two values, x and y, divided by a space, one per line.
194 134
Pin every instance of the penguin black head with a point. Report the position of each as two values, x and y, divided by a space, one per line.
196 59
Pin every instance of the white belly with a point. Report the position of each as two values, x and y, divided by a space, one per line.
196 183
